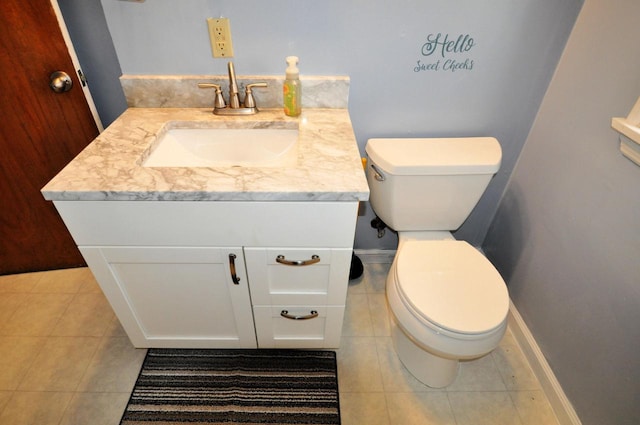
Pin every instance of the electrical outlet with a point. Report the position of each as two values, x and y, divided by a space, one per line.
220 35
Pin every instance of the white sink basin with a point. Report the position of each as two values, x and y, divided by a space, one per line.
224 147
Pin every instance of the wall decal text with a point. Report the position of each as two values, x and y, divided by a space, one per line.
443 52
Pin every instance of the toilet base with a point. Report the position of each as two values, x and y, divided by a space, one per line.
431 370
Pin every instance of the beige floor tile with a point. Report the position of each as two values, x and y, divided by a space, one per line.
363 408
23 282
37 316
358 367
478 375
380 316
114 328
420 409
17 354
483 408
4 399
375 276
515 369
508 338
66 281
35 408
533 408
395 377
89 283
60 365
9 304
357 320
114 367
94 374
357 286
95 409
89 314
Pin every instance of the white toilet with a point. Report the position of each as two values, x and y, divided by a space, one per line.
448 301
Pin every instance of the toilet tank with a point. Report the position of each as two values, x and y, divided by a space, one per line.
429 184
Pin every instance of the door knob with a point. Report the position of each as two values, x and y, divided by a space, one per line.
60 82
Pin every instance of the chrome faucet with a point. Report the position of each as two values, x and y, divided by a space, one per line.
248 107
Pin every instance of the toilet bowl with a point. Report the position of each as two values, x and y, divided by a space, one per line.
448 302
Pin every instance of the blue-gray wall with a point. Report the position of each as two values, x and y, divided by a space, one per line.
567 233
92 43
378 43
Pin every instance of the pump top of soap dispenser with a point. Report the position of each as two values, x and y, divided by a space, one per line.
292 67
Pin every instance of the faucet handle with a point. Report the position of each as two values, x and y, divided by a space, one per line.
249 101
219 99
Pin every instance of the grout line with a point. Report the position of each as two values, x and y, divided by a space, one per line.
453 411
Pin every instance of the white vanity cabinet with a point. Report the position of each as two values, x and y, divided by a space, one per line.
220 274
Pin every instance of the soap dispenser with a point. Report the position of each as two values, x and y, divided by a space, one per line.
292 91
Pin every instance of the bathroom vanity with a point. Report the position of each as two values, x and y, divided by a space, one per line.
219 256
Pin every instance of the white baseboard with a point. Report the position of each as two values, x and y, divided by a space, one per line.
560 404
371 256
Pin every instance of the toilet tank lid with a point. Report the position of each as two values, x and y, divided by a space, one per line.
424 156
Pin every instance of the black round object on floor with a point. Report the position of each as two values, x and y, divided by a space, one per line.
356 267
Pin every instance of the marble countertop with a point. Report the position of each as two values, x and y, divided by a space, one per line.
110 168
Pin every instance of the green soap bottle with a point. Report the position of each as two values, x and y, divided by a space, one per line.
291 89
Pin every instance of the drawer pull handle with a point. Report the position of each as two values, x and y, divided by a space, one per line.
314 259
232 267
286 315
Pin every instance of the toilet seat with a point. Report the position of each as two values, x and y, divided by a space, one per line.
451 285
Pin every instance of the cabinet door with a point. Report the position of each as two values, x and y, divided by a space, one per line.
177 296
298 276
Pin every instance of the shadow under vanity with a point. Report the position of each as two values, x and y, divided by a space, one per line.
224 256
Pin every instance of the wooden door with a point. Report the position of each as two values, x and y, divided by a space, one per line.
40 132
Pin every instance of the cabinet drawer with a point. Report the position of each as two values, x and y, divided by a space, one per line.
274 330
298 276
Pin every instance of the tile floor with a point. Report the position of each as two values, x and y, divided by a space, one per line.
65 360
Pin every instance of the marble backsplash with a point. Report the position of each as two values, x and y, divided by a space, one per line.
182 91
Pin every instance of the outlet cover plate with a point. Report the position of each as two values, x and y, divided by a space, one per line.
220 36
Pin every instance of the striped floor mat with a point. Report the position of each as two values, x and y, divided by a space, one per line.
266 387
